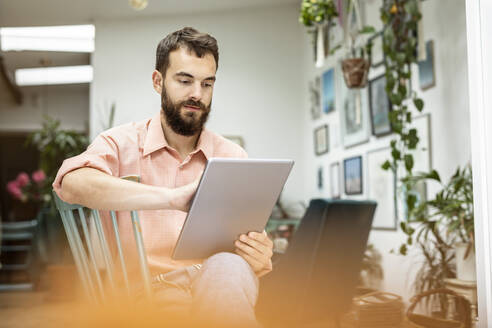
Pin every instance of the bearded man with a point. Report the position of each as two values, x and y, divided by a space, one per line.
169 152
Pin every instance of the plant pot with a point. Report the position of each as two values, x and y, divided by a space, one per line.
465 267
23 211
355 71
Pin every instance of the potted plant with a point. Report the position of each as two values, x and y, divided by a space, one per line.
318 16
455 203
356 66
29 194
371 274
55 145
443 230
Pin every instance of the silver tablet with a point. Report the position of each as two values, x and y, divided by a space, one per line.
234 196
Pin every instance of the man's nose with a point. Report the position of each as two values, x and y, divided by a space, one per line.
196 92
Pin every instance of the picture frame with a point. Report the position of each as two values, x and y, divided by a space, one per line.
320 178
354 117
321 140
377 53
427 76
352 172
328 93
381 187
335 180
353 106
379 106
315 96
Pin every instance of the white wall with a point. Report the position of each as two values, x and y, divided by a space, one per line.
257 93
447 103
68 103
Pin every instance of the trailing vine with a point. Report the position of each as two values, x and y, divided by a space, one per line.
400 19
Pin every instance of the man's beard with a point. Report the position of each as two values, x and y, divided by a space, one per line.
194 121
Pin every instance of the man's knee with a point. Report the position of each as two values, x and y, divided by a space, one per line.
228 262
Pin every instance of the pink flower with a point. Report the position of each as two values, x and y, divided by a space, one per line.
14 189
38 176
22 179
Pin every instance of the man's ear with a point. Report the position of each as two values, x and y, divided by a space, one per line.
157 81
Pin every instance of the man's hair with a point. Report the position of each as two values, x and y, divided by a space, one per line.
196 42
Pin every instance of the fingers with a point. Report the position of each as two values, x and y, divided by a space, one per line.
254 263
261 237
255 244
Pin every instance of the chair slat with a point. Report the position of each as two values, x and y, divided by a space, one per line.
90 248
104 248
144 267
75 254
79 248
120 250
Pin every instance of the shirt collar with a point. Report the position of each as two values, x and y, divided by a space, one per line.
156 140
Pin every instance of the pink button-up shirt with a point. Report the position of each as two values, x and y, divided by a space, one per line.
141 149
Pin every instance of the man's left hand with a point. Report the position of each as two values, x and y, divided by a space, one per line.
257 249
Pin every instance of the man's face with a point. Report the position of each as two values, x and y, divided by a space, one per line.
186 96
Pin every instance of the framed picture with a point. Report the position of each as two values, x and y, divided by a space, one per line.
379 106
236 139
352 170
314 95
354 117
321 142
377 54
328 94
427 77
335 180
381 187
353 105
320 178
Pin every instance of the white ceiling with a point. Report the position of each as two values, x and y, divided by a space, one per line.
65 12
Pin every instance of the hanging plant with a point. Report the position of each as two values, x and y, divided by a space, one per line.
318 16
400 18
356 67
317 12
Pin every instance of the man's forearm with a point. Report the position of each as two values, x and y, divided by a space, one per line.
95 189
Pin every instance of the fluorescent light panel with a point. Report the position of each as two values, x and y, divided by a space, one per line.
74 38
54 75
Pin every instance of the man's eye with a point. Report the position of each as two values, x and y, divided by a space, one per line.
185 81
208 85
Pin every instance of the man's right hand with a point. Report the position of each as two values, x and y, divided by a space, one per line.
182 196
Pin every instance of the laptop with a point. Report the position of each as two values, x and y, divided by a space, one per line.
316 279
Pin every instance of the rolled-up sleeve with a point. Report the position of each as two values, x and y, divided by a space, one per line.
102 154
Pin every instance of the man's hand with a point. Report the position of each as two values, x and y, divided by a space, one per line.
257 249
182 196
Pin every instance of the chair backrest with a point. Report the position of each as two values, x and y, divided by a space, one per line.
85 249
317 276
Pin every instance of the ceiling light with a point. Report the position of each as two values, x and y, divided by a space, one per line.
138 4
54 75
74 38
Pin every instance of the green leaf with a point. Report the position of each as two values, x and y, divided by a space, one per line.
411 200
396 154
386 165
419 104
367 30
408 162
433 175
403 249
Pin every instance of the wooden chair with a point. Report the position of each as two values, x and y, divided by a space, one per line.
84 249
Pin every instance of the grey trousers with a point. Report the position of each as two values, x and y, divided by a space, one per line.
221 292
